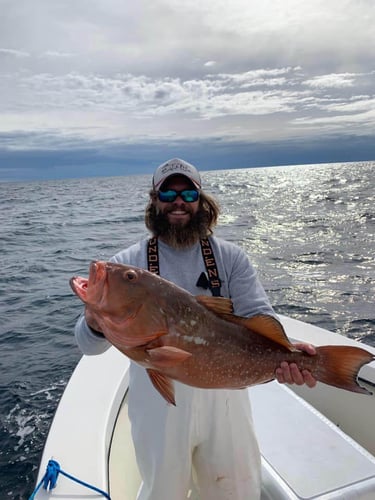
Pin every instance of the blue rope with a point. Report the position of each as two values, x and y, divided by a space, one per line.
49 480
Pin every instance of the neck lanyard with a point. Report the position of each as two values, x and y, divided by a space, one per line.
210 279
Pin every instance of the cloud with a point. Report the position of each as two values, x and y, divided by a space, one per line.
92 105
55 54
338 80
13 53
355 105
178 38
106 158
341 121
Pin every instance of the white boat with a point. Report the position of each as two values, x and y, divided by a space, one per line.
315 443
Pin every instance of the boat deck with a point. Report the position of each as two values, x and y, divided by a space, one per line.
304 455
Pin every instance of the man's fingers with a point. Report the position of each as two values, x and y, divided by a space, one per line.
308 348
291 374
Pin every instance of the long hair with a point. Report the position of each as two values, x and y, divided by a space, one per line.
207 215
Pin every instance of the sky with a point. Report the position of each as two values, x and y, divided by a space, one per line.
116 87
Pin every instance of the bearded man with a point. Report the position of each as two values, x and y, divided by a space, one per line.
209 430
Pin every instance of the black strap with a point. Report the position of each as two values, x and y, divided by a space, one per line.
153 256
210 280
211 267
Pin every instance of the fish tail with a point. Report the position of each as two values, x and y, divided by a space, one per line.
339 366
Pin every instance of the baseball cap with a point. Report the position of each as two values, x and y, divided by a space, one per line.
176 166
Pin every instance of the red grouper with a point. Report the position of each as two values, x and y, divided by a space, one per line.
196 340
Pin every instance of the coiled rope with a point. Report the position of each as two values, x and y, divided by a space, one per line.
49 480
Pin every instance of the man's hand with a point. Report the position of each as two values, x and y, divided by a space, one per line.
289 373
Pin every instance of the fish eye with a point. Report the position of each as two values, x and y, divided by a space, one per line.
130 275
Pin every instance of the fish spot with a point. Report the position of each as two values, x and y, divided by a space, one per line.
195 340
193 322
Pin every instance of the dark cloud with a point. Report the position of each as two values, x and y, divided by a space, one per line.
116 159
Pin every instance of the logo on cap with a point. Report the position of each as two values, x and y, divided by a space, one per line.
174 167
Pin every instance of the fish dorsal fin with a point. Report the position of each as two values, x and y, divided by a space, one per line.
217 305
262 324
266 326
163 385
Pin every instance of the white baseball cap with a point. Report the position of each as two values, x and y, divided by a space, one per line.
175 166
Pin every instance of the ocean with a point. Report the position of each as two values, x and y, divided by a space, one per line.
309 230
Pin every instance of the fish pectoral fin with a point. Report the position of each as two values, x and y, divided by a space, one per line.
167 356
217 305
163 385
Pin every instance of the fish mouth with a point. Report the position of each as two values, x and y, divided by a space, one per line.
84 288
79 286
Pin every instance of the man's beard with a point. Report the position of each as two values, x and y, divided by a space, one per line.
179 235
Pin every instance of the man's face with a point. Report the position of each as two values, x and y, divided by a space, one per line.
178 212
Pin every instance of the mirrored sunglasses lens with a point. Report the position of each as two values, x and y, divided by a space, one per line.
189 195
167 196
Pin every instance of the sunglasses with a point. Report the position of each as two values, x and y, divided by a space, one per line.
188 195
